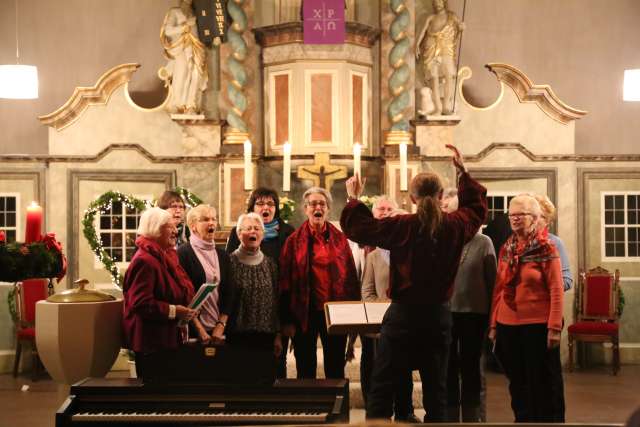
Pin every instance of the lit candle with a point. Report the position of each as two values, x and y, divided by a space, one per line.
286 167
33 229
403 167
357 150
248 166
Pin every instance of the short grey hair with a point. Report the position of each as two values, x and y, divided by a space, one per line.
198 212
384 198
151 221
250 215
318 190
529 203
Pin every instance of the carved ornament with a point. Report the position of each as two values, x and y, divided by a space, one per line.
292 32
542 95
83 97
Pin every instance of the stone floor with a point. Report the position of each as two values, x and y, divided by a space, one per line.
592 396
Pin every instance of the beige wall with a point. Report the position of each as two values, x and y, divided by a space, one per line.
580 47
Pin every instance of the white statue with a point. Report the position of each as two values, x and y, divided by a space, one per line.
437 51
186 69
427 107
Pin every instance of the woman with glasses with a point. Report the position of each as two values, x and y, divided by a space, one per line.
204 263
172 202
265 202
255 323
316 266
526 318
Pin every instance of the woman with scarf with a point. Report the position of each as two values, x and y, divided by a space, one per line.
156 294
265 202
316 266
526 318
204 263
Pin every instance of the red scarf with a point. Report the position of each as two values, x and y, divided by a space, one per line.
181 284
295 270
536 249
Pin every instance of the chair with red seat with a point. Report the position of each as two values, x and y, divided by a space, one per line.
597 316
28 293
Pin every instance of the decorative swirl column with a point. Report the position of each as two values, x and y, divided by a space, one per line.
401 71
238 131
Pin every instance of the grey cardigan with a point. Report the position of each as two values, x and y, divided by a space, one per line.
473 287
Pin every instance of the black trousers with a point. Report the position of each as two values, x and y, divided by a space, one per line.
412 337
403 389
534 372
465 378
305 346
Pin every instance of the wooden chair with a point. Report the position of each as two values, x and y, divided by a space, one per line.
597 312
28 293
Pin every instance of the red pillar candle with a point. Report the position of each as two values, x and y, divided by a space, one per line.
33 229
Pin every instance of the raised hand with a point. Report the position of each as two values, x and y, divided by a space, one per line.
458 162
355 186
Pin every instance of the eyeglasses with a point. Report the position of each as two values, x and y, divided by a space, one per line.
315 203
269 204
251 228
518 215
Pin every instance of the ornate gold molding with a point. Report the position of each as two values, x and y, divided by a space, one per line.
83 97
542 95
292 32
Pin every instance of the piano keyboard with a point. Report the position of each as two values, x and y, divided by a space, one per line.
203 416
124 402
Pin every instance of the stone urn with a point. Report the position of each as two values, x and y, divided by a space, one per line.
78 333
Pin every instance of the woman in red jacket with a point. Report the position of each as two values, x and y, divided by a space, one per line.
156 294
526 318
316 266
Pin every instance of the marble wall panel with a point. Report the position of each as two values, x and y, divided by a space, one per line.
321 108
282 108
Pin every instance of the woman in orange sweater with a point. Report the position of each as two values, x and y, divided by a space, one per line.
526 318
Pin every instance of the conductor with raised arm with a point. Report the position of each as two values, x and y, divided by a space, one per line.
425 250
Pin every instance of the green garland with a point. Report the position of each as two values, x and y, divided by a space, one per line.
104 203
190 199
22 261
287 207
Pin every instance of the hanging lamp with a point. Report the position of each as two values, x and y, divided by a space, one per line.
18 81
631 89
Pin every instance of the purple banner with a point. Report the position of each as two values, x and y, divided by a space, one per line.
323 21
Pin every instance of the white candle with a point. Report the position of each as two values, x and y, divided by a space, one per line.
357 150
248 166
286 167
403 167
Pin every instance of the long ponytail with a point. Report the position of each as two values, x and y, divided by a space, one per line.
426 189
430 215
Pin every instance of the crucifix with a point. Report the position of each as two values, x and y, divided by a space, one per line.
322 172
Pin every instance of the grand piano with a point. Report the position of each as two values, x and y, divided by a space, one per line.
226 397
